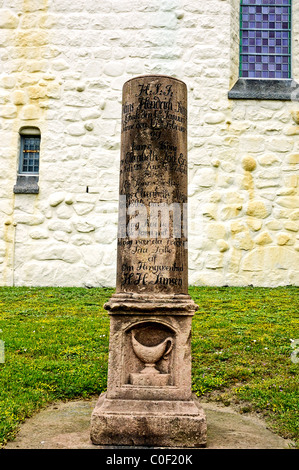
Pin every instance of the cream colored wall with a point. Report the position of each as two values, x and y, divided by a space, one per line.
62 70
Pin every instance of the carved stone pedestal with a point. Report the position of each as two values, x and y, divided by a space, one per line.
149 399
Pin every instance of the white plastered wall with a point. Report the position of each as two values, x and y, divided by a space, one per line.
63 66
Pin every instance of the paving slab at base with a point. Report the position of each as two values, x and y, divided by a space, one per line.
67 426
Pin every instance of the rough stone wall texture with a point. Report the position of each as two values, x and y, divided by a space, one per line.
63 65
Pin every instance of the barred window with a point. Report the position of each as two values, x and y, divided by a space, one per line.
265 39
29 158
30 148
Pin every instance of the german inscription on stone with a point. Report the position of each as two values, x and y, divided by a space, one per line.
152 237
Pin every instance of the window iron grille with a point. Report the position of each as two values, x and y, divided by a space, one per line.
30 149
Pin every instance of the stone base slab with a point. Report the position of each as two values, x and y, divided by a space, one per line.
158 423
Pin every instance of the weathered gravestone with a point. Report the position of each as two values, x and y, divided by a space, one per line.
148 400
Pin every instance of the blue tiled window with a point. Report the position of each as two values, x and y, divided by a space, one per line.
265 39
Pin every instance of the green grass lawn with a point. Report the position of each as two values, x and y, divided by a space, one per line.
243 350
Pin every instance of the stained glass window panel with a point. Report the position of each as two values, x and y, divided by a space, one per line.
265 39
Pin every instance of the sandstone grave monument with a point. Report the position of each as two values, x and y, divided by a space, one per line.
148 400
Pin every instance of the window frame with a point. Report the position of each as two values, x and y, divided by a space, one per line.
259 31
27 182
265 88
21 157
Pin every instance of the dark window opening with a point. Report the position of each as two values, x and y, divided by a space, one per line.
29 157
30 150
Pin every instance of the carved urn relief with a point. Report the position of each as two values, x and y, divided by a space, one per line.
152 345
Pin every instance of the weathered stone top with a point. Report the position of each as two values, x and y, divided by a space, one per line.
154 75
